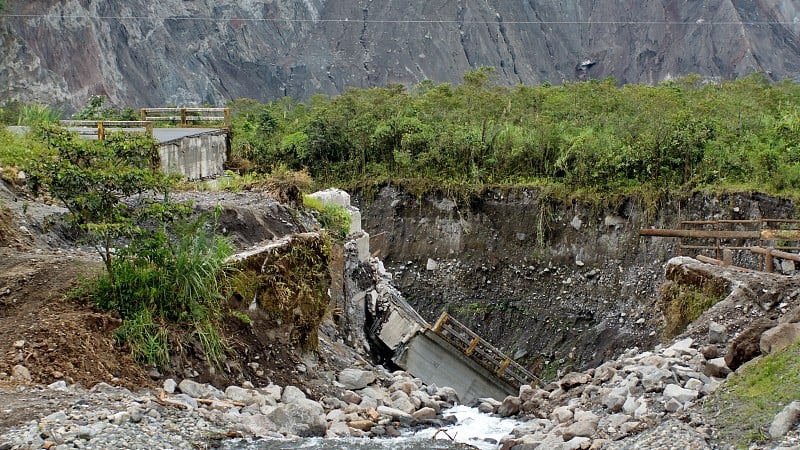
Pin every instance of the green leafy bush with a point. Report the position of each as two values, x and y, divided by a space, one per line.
162 269
589 136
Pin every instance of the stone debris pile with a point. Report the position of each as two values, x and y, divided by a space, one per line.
371 403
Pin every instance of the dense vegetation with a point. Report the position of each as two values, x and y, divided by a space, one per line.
590 136
165 270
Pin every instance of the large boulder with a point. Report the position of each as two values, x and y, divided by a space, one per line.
778 338
784 420
673 391
292 394
747 345
354 379
574 379
303 418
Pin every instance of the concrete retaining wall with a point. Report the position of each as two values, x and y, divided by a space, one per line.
195 157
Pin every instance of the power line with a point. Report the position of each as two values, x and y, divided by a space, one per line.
406 21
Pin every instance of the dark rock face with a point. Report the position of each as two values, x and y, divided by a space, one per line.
554 285
746 346
179 52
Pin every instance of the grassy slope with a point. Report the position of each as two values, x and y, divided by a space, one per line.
745 406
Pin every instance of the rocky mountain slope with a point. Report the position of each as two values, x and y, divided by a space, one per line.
178 52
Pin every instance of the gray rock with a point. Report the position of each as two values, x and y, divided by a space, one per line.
613 422
257 424
302 417
576 443
238 394
562 414
653 379
784 420
169 386
424 414
193 388
574 379
616 399
779 337
338 430
402 402
351 397
717 333
336 415
273 390
395 414
185 400
585 428
59 385
56 417
631 404
694 384
292 394
673 391
20 372
511 406
447 394
526 392
354 379
683 347
673 405
486 408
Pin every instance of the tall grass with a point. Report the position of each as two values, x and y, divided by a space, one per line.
37 114
161 282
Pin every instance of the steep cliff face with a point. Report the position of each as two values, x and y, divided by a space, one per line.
557 285
194 52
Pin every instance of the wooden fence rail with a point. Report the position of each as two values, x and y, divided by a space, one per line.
769 238
188 117
482 352
100 128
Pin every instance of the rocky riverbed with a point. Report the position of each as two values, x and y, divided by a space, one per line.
373 404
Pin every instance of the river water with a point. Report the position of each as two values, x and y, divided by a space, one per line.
473 430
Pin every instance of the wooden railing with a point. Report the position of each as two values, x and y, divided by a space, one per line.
482 352
769 238
100 128
188 117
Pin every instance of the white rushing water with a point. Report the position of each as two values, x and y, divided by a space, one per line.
473 428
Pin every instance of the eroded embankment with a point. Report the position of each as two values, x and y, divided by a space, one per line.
556 284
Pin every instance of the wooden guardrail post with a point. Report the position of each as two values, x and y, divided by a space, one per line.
183 117
472 345
101 132
149 128
227 114
769 261
440 323
503 367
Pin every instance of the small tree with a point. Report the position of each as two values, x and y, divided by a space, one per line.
161 266
92 178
